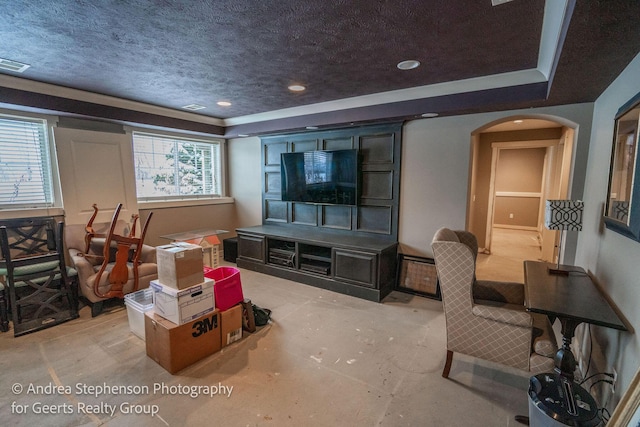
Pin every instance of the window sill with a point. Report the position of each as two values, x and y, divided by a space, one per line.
184 203
30 212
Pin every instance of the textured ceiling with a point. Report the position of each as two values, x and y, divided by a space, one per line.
174 53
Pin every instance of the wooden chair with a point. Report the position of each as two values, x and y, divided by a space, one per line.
111 261
42 289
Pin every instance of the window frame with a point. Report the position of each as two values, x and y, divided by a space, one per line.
35 209
183 200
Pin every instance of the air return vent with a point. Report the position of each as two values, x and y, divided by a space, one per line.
14 66
194 107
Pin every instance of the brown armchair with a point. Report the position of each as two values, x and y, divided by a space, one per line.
487 319
110 260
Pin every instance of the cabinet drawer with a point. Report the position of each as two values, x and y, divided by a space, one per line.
251 247
356 267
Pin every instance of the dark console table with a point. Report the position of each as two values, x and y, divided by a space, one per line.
362 266
573 299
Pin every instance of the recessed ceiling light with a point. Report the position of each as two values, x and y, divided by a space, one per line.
15 66
296 88
312 127
409 64
518 121
429 115
224 103
243 135
194 107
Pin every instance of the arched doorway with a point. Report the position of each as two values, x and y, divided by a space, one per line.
516 164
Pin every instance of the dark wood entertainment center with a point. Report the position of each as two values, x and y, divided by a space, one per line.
348 249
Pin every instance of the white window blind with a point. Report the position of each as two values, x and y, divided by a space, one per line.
25 166
175 168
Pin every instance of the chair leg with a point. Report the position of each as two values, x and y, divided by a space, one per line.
4 312
447 365
96 308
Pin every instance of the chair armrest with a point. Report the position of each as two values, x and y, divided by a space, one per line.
505 292
82 264
148 254
510 314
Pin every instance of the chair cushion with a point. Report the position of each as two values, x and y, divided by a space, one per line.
71 272
30 269
511 314
544 339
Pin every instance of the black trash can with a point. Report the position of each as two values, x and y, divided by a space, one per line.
556 401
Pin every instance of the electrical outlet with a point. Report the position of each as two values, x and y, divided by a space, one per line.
510 215
614 380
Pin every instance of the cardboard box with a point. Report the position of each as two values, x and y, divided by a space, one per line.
182 306
174 347
180 265
231 325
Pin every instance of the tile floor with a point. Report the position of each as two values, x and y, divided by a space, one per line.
326 360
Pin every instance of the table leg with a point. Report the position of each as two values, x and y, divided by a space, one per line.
564 359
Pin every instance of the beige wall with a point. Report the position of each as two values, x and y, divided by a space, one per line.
175 220
516 212
610 257
483 147
518 171
435 169
245 180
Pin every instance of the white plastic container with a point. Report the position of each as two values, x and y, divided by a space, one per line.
137 304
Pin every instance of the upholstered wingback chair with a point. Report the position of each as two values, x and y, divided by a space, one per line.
487 319
88 262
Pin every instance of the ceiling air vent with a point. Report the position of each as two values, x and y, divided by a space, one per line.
15 66
497 2
194 107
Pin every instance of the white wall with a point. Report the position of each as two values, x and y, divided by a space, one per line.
435 169
245 180
610 257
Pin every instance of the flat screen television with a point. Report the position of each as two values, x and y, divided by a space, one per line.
323 177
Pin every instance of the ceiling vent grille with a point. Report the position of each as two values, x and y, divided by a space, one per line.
15 66
194 107
498 2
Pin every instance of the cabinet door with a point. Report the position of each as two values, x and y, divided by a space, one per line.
355 267
251 247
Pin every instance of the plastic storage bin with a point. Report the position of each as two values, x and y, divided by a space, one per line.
227 288
137 304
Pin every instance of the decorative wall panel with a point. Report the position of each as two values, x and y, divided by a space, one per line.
337 143
272 153
375 219
377 185
304 145
272 181
379 148
336 217
304 214
275 211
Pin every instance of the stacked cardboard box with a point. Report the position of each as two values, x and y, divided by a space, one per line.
185 326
